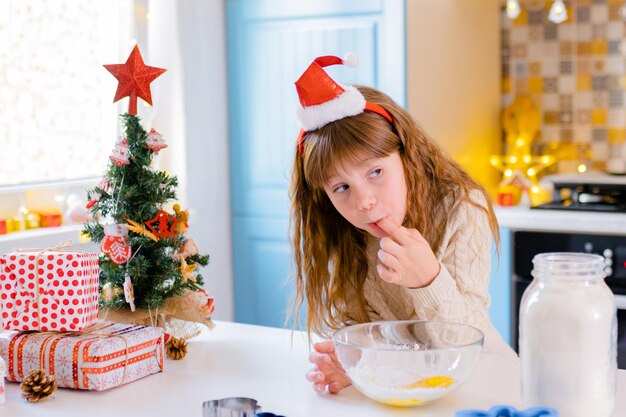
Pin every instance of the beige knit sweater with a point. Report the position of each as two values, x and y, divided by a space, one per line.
459 293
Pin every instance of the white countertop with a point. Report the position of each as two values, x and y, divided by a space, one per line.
524 218
267 364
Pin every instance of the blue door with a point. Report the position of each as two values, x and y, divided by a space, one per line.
270 44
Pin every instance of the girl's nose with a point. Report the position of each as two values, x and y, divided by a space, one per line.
366 201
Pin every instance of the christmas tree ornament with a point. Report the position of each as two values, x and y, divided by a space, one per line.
176 348
109 292
207 302
104 183
183 219
38 386
155 141
140 229
120 153
115 244
187 271
209 307
188 249
129 292
93 199
134 78
163 224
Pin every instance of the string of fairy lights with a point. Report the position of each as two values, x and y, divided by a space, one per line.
557 14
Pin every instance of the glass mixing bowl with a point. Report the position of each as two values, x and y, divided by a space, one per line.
408 363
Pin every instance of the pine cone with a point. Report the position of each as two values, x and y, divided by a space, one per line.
176 348
38 386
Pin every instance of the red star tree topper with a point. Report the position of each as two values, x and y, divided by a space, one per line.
134 79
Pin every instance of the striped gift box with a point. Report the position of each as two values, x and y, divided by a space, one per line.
102 356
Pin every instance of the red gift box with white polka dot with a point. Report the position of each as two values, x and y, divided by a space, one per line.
49 290
101 356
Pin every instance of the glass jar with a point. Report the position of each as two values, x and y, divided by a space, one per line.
568 336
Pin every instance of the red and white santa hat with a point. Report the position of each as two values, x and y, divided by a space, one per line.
322 100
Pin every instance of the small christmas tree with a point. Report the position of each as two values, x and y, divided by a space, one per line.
148 269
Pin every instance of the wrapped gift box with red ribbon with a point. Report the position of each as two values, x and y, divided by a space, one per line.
48 290
102 356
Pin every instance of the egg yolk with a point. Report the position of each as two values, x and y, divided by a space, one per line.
396 402
432 382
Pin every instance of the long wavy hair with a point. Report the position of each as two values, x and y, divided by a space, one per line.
330 253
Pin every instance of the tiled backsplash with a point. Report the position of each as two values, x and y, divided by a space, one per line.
575 73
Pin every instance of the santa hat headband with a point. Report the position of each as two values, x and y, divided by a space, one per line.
322 100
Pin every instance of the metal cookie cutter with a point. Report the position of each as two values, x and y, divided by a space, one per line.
231 407
508 411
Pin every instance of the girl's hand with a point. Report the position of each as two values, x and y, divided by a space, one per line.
405 257
327 371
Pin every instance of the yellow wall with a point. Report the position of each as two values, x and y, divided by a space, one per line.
453 78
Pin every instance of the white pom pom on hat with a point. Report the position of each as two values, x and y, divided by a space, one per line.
351 60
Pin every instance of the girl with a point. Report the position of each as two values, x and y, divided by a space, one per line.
386 226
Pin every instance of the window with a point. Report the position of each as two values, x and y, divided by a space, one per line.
57 120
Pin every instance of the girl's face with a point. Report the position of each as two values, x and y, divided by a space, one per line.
365 193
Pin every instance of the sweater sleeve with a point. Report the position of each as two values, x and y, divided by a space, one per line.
459 293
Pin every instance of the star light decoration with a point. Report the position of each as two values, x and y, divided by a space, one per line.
519 167
134 79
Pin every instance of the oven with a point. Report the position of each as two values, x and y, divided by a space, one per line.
526 244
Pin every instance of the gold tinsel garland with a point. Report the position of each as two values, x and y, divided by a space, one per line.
38 386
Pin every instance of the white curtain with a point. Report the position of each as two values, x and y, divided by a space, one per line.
188 38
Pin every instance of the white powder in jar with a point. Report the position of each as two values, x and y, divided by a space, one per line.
567 349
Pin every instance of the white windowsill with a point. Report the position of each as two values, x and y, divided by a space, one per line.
44 237
75 183
42 232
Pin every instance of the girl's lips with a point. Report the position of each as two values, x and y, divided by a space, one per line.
375 224
377 228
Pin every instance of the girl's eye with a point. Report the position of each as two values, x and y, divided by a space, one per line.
340 189
376 172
